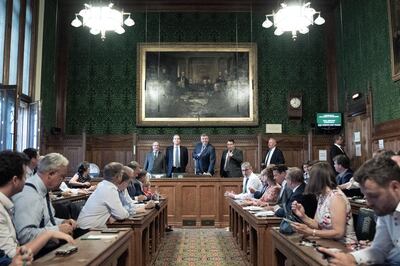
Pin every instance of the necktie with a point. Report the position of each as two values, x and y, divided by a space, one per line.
176 157
155 155
53 222
267 158
226 160
202 149
245 185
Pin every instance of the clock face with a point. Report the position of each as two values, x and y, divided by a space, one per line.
295 102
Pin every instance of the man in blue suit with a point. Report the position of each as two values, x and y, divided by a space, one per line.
204 157
176 157
155 160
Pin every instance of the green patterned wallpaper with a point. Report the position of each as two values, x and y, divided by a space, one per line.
48 91
102 74
364 56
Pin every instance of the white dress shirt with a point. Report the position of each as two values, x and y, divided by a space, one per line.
386 244
8 237
253 182
103 203
175 163
269 156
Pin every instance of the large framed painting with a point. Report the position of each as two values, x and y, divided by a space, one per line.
394 34
197 84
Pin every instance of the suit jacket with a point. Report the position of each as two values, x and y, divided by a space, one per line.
233 167
277 157
169 158
345 178
205 161
155 165
309 202
258 194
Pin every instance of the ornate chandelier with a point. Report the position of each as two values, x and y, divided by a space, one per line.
293 18
102 18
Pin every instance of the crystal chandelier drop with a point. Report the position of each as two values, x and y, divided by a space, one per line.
293 18
102 18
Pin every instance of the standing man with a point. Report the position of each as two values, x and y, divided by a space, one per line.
204 157
231 160
176 157
336 149
273 155
155 160
379 179
33 211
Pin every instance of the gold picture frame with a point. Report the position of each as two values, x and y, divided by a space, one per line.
394 36
197 84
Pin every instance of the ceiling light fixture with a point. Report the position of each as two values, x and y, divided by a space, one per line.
294 18
101 19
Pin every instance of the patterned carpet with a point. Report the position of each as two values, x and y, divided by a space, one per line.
199 247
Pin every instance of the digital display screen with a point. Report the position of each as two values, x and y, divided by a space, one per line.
329 119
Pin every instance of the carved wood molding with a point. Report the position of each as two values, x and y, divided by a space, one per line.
388 129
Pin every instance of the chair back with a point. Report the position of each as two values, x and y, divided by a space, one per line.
75 208
366 224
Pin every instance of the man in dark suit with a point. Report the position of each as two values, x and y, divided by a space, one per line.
155 160
273 155
295 182
231 161
176 157
336 149
204 157
342 166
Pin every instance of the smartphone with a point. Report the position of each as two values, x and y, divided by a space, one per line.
287 220
110 231
65 251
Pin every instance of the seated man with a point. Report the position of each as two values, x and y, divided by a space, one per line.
342 167
12 179
33 211
379 179
104 205
133 188
251 182
295 182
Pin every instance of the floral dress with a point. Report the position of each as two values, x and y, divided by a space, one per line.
271 194
324 219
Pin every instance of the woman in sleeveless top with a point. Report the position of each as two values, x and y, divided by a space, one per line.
333 218
82 177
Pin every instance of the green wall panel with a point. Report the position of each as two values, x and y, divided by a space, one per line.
364 56
47 91
101 96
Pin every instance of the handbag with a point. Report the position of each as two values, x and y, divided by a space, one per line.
285 227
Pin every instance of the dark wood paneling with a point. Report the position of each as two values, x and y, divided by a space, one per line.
390 133
102 150
197 198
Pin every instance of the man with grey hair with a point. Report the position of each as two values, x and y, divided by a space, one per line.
33 211
105 204
251 182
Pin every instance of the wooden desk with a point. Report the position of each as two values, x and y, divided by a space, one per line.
94 252
148 230
251 232
72 198
197 201
288 252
